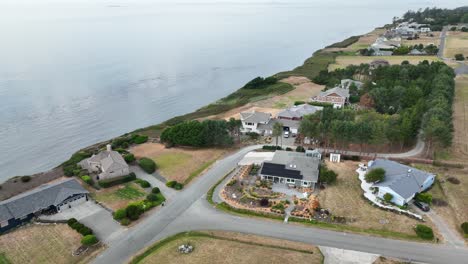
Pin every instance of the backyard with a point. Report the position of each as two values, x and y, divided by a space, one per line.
456 42
343 61
41 244
345 198
119 196
226 247
179 164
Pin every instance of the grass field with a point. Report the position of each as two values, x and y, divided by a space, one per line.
312 66
456 42
41 244
119 196
344 198
423 39
179 164
343 61
224 247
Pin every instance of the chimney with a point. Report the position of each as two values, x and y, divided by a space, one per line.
109 147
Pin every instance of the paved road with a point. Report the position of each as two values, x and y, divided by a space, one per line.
191 211
443 35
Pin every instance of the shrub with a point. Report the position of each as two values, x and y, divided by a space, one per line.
388 197
155 190
424 232
120 214
326 175
77 226
84 231
87 179
129 157
300 149
147 165
178 186
253 135
175 185
125 221
143 183
133 211
299 102
89 240
289 149
424 197
139 139
459 57
375 175
71 221
115 181
453 180
25 178
464 227
171 184
152 197
264 202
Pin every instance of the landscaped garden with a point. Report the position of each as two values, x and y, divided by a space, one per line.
227 247
120 195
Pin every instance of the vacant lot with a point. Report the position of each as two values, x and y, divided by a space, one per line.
119 196
344 198
343 61
234 248
456 42
42 244
179 164
423 39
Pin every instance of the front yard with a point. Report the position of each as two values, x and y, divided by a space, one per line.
120 195
42 244
345 198
178 164
227 247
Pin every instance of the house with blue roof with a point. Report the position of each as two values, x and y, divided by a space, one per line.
401 181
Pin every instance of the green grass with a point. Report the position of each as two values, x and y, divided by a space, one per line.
3 259
312 66
194 234
129 192
345 43
169 163
198 171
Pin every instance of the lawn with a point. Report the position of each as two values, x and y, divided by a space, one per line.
226 247
343 61
456 42
344 198
41 244
119 196
179 164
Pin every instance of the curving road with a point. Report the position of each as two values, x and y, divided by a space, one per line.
190 211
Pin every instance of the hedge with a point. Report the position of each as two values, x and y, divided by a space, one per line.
147 165
129 157
464 227
87 179
120 214
143 183
89 240
175 185
155 190
424 232
115 181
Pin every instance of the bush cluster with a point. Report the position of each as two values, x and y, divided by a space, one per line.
260 83
175 185
143 183
133 211
129 157
155 190
464 227
268 147
300 149
25 178
87 233
147 164
424 197
208 133
118 180
424 232
326 175
87 179
89 240
125 141
70 167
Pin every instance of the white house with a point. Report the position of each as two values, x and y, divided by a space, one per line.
401 181
251 121
108 164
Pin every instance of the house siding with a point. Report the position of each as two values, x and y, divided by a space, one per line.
14 222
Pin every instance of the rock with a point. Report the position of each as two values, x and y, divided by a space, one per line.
185 249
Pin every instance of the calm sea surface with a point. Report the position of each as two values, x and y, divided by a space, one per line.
78 73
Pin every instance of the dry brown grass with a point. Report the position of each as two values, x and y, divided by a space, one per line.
423 39
456 42
177 163
43 244
384 260
344 198
343 61
244 249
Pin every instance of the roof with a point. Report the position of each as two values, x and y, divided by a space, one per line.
256 158
285 122
402 179
294 165
337 90
255 117
299 111
39 198
346 83
110 160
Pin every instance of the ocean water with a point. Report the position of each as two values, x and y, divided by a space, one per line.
73 73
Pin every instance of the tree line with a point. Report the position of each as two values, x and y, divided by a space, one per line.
437 17
404 100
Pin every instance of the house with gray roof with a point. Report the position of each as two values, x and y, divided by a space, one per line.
251 121
298 111
401 181
292 168
48 198
346 84
107 164
337 96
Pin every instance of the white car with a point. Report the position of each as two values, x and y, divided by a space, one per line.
286 134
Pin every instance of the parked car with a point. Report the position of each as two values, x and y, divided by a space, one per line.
422 206
286 134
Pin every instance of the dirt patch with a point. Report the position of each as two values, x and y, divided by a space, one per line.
235 248
456 42
43 243
178 164
15 186
343 61
344 198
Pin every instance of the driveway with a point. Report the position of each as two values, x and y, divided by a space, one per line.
155 181
94 216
